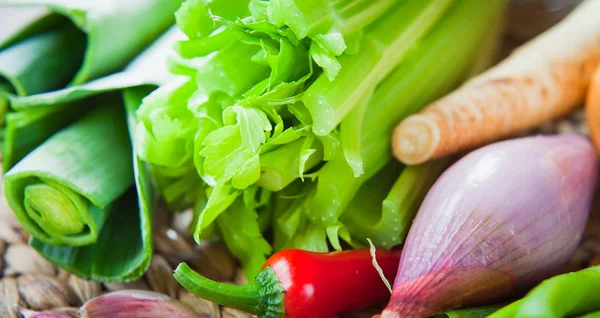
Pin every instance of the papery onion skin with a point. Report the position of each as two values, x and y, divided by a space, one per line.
498 221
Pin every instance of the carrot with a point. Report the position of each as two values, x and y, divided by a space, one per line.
592 109
544 79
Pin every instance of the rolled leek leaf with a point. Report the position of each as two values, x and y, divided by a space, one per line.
44 61
47 44
39 116
150 67
60 192
124 247
21 22
116 30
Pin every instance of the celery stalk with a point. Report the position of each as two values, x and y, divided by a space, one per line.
282 166
240 230
398 207
424 76
333 26
383 46
61 190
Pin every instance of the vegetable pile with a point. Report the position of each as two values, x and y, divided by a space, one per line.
273 122
283 111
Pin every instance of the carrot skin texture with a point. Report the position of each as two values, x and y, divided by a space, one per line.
545 79
592 111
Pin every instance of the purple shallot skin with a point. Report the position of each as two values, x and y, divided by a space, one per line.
497 222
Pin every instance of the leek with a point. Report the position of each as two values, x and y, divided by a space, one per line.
123 250
60 192
112 39
43 62
39 116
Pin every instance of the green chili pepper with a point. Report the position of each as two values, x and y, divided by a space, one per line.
475 312
566 295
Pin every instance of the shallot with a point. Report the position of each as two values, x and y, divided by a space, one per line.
497 222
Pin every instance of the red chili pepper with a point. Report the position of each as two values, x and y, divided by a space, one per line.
302 284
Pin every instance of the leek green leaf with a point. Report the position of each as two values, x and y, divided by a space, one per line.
123 250
60 191
116 30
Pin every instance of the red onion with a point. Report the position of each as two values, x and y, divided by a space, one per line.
497 222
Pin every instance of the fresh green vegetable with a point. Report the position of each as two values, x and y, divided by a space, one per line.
334 27
417 81
21 22
116 30
566 295
476 312
37 117
241 232
383 46
398 206
61 191
28 129
124 248
47 44
243 114
43 62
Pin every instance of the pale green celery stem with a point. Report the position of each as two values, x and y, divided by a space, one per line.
350 132
279 167
309 18
240 230
383 47
355 15
398 208
231 71
440 62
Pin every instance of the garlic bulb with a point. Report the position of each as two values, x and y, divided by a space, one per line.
134 303
500 220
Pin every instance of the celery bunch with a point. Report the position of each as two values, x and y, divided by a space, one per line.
283 109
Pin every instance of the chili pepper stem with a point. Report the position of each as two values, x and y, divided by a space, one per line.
264 297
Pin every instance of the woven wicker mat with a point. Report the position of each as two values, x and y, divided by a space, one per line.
29 282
